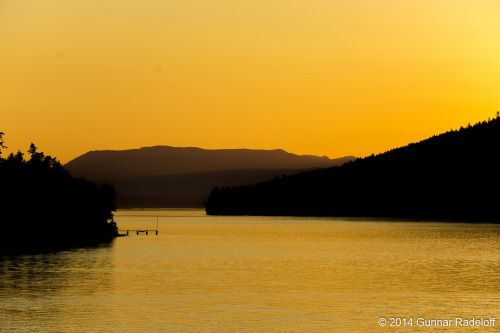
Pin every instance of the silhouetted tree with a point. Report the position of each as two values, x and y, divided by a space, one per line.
42 206
1 143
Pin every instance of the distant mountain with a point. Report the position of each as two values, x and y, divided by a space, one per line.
453 176
164 176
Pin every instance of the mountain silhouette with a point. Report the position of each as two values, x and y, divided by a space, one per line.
164 176
452 176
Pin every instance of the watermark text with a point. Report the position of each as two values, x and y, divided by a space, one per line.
439 322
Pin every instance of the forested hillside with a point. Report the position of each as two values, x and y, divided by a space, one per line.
42 207
452 176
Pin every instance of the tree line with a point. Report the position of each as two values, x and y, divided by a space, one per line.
452 176
43 207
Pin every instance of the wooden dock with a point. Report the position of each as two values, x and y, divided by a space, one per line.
139 231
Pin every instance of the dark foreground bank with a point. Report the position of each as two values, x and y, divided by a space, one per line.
43 208
453 176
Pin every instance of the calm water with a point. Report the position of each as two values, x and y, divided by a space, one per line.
254 274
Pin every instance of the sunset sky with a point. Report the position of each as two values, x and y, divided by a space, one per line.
322 77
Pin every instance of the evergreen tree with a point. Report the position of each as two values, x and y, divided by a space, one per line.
43 207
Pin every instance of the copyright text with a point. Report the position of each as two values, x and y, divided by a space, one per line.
427 322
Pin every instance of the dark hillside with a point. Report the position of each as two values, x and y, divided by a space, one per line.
185 190
453 176
43 208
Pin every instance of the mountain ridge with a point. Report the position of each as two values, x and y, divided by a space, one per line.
99 165
178 169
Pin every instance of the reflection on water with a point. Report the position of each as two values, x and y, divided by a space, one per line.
38 291
228 274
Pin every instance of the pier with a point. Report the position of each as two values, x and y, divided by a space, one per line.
139 231
145 230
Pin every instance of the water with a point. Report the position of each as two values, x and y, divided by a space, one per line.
257 274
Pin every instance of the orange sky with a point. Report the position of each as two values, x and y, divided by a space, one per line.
323 77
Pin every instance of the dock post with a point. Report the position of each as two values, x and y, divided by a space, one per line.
146 232
137 231
127 232
156 232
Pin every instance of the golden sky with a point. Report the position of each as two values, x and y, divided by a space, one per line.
323 77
